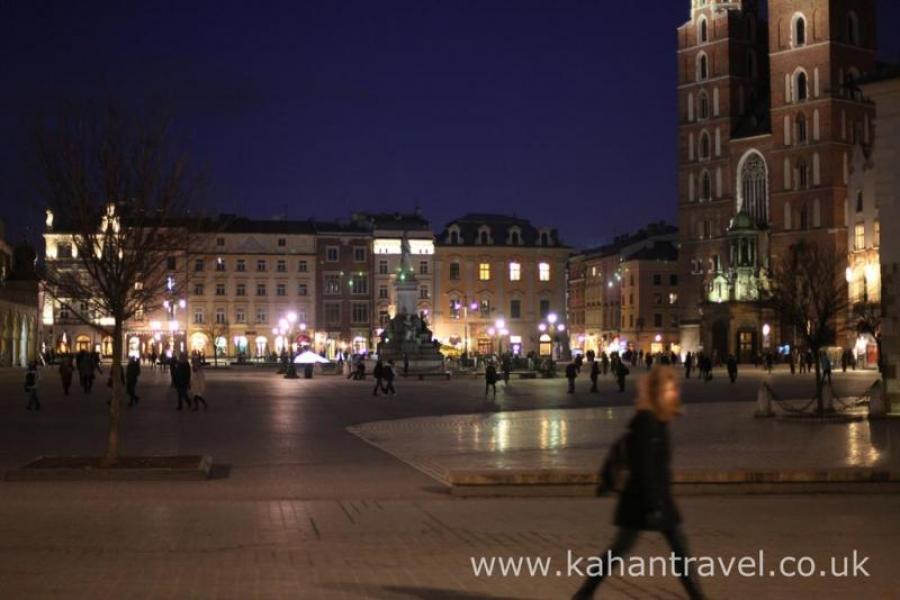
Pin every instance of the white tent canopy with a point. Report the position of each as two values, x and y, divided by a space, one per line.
309 358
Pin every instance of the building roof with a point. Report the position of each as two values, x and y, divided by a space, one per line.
500 226
394 221
622 243
235 224
659 250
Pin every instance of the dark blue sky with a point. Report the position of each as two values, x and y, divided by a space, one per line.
562 111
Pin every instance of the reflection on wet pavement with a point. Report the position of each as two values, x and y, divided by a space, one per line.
711 437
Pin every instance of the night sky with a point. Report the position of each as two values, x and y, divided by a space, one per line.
561 111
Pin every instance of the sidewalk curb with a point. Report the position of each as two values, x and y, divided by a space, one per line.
198 471
561 482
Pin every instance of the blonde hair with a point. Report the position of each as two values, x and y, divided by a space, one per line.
650 392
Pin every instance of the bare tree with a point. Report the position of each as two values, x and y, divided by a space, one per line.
117 190
808 293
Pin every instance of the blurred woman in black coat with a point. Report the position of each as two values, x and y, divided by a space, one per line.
646 503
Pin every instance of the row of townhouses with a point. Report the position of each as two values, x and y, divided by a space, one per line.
254 287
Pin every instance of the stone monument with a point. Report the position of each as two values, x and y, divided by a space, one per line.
407 336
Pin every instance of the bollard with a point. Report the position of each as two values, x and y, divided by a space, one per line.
878 406
764 402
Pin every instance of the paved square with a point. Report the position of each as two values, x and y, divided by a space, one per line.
301 508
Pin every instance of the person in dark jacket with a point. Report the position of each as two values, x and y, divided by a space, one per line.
490 380
181 379
571 374
66 369
378 374
132 372
389 375
646 502
621 372
595 373
732 366
31 387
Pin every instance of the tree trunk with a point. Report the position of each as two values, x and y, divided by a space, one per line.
880 355
115 373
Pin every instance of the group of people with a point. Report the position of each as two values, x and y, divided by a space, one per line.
187 378
599 365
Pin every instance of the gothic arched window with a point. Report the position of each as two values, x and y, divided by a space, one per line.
802 174
801 128
704 105
753 190
799 30
705 187
801 85
704 31
704 146
702 67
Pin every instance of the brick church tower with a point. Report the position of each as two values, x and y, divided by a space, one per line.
768 117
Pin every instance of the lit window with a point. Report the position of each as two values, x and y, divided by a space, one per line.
876 234
484 271
515 271
859 237
544 271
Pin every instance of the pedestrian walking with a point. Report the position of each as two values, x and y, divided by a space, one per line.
181 379
571 374
732 366
506 367
646 502
621 373
87 369
604 361
31 387
378 374
389 375
490 379
198 386
595 373
405 365
132 372
688 365
66 370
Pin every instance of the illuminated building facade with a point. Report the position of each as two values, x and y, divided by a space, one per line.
497 280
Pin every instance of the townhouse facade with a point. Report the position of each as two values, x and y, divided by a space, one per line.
500 286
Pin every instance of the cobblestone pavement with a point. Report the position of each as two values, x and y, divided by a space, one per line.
104 547
300 508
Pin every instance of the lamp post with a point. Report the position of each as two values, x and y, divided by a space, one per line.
553 328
